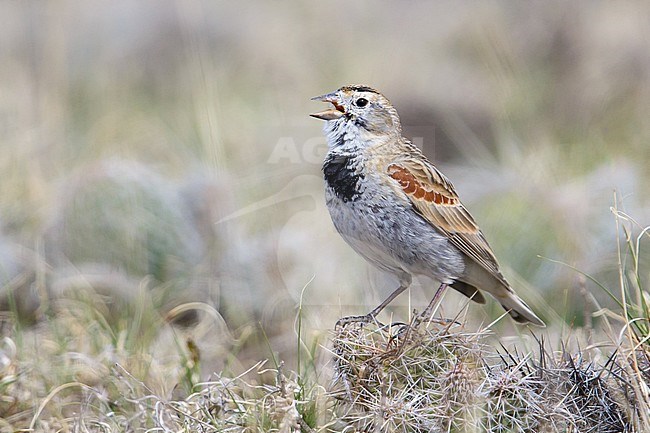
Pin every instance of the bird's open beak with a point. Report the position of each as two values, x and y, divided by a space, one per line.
332 113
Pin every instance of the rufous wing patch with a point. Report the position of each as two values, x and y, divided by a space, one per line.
434 198
418 189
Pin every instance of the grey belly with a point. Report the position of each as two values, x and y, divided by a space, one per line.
394 238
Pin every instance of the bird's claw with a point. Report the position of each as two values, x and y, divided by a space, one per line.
427 319
364 319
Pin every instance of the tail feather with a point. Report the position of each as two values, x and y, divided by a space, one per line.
470 291
478 277
519 311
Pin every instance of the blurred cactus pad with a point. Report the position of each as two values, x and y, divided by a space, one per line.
122 215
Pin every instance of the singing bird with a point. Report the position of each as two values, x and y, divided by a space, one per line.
398 211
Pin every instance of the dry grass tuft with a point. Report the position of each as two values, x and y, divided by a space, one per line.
246 403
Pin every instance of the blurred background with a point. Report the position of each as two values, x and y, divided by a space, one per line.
162 150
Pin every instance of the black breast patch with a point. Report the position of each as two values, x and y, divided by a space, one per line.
340 175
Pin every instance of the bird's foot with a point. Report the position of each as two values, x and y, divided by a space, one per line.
364 319
426 317
402 329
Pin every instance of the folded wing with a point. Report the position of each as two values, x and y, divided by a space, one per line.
433 196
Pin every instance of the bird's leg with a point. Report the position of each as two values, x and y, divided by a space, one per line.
371 316
426 314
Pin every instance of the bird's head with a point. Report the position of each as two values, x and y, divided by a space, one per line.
359 109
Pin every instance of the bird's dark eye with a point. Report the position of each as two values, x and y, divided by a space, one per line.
362 102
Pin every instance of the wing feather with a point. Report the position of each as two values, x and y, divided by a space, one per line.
433 196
